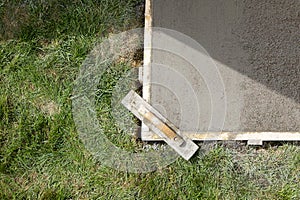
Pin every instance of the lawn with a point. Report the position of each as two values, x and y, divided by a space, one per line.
42 47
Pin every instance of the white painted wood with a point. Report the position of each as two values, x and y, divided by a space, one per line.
253 138
147 58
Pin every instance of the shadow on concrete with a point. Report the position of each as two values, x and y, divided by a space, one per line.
259 39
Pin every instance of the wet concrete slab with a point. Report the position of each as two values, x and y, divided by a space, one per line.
254 45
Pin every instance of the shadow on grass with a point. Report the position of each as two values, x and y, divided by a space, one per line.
28 19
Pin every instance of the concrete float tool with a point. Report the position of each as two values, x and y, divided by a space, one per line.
156 122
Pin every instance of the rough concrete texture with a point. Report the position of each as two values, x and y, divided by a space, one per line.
255 44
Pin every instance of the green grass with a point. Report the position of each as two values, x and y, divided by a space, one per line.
43 44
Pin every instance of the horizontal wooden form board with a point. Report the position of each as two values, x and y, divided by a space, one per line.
253 138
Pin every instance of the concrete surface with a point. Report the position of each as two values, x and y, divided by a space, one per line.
255 44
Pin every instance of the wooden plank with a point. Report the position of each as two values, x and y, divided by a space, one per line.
253 138
147 57
147 51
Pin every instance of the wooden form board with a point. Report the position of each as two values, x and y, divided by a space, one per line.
262 103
